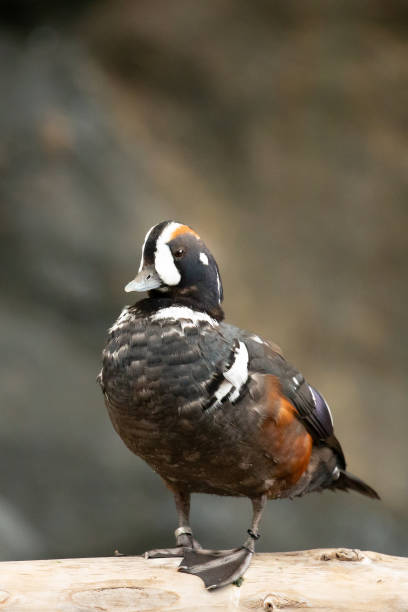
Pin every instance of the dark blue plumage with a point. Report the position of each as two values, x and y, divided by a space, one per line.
210 407
323 413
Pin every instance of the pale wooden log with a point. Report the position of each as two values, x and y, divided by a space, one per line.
325 579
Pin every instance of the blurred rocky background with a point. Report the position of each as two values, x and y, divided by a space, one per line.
279 131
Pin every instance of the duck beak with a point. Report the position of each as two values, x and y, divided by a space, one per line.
146 279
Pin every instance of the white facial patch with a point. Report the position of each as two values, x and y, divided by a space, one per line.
165 266
204 259
163 258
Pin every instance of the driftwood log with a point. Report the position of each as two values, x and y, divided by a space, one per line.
326 579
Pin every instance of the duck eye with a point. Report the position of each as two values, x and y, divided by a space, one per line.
179 253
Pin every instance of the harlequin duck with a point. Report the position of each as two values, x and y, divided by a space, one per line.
210 407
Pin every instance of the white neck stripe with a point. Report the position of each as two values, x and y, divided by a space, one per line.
183 312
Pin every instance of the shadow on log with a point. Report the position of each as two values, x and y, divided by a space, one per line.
321 579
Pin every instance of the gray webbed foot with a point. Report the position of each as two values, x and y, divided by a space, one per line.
217 568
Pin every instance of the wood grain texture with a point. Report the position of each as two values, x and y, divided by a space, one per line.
321 579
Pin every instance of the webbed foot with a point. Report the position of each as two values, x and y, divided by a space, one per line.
216 568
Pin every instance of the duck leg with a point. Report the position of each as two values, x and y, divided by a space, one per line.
218 568
184 534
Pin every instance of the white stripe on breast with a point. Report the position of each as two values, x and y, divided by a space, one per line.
237 374
235 377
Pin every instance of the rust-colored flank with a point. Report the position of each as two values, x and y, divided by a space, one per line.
283 435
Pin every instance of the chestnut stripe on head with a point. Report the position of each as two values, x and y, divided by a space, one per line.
183 229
